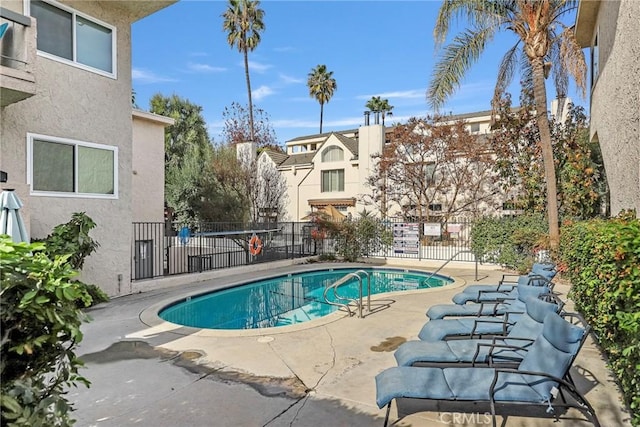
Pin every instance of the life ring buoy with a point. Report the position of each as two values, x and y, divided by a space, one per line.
255 245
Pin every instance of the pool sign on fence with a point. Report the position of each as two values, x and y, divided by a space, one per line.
406 238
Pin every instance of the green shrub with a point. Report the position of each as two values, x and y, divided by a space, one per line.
40 323
72 240
601 258
326 257
96 294
359 237
509 241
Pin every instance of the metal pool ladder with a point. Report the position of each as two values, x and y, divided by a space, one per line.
349 301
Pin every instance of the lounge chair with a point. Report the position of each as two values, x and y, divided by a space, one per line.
478 326
514 302
509 281
508 349
485 295
543 372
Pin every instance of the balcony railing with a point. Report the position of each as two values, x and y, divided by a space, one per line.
17 57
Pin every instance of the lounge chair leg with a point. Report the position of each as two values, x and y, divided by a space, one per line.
493 412
386 418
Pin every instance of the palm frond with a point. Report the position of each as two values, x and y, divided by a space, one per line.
479 13
457 59
505 72
573 59
558 70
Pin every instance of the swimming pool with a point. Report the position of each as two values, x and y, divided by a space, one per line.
287 299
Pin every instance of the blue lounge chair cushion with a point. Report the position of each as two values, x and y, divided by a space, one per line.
437 330
467 384
463 350
536 311
439 311
465 297
453 352
546 353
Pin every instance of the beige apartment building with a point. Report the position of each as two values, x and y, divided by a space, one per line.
70 141
611 32
332 169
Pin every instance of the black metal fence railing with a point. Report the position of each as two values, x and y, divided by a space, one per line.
165 250
161 249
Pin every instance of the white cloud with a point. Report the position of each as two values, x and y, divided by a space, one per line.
261 92
290 80
258 67
402 94
142 76
204 68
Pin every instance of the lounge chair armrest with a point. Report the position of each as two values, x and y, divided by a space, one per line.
480 320
495 305
498 371
491 346
510 278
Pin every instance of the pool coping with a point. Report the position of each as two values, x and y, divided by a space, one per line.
149 316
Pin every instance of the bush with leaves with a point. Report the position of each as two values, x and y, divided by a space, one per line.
40 322
510 241
72 240
357 238
600 258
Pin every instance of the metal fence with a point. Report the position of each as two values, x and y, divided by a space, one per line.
161 249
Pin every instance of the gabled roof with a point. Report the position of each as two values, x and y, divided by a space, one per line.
277 157
321 135
350 143
298 159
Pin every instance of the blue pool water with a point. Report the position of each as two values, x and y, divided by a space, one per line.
286 300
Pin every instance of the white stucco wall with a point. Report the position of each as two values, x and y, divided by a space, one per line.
77 104
615 100
148 166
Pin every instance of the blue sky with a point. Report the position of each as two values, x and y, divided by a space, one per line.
374 48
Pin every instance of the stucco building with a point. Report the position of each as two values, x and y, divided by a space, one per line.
332 168
68 132
611 32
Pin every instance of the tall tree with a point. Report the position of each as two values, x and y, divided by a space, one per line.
321 86
187 151
243 23
378 105
543 39
237 127
433 161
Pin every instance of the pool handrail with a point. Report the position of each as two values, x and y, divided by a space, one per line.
358 302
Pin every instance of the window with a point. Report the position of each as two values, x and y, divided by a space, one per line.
332 180
66 35
435 207
67 167
332 154
474 127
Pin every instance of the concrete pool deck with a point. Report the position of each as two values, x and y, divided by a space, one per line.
146 372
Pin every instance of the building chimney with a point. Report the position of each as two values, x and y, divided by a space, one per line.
366 117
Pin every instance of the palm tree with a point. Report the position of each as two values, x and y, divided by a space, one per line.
542 40
321 86
385 109
243 25
378 105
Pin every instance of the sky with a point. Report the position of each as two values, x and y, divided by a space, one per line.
374 48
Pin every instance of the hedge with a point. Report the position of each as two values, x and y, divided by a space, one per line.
602 260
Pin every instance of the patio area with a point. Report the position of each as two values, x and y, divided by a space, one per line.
150 373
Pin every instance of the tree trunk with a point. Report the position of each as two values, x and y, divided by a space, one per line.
321 113
540 96
246 71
